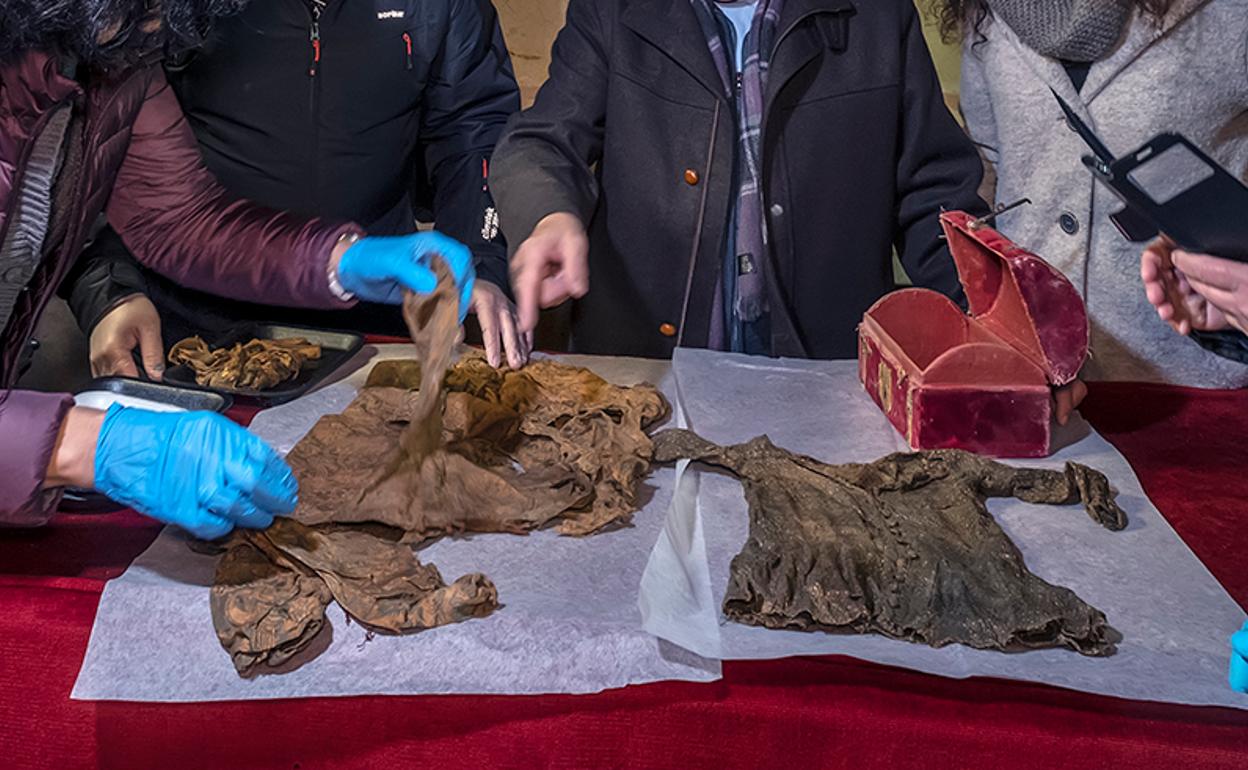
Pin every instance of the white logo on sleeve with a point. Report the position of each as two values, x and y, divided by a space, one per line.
395 14
489 228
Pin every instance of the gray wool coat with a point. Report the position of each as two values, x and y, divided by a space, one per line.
1189 75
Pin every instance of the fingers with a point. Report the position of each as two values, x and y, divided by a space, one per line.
456 255
255 484
1211 271
1238 673
575 270
114 362
555 291
237 509
209 527
152 350
486 317
526 283
1213 293
511 338
1061 406
1078 392
467 283
416 277
1150 267
527 339
1239 642
1067 399
458 259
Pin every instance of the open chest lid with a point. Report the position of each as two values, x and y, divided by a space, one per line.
1019 297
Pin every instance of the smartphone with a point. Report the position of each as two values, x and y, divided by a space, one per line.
1182 192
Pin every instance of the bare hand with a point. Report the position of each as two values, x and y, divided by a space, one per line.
551 266
72 463
497 316
1222 283
133 323
1067 399
1170 291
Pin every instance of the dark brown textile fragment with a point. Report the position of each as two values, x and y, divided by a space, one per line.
272 587
264 610
903 547
255 365
422 452
268 601
521 450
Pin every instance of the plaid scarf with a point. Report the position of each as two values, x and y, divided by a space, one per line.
750 300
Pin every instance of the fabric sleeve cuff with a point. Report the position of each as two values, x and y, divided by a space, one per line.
29 425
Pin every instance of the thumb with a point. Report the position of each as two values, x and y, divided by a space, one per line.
152 349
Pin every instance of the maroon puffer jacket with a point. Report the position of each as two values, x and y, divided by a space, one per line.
142 168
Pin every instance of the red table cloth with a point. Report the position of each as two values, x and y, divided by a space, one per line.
1187 447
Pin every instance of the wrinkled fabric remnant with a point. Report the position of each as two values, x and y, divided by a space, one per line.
422 452
522 450
903 547
271 590
255 365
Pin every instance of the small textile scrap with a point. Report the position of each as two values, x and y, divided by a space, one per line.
903 547
254 365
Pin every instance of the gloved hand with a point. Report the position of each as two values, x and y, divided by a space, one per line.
1239 660
194 469
378 269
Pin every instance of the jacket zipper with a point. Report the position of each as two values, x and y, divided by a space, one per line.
315 8
407 41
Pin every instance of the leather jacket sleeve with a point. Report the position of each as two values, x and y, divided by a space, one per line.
104 275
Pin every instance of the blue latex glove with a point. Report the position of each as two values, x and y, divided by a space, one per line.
194 469
378 269
1239 660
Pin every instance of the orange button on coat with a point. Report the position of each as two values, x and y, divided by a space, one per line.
667 330
691 177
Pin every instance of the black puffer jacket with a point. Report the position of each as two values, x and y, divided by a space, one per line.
379 108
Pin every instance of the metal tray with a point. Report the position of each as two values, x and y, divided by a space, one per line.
139 393
337 348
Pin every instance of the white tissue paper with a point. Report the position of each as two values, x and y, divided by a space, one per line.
1174 616
569 621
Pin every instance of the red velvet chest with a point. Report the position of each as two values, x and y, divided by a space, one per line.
979 381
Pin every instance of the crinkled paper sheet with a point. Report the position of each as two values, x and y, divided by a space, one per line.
569 621
1173 614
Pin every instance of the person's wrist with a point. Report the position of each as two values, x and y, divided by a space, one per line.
559 220
73 457
332 272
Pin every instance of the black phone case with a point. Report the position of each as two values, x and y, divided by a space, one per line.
1210 217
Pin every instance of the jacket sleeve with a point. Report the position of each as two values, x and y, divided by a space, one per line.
466 105
544 162
29 425
1231 344
177 220
104 275
937 168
